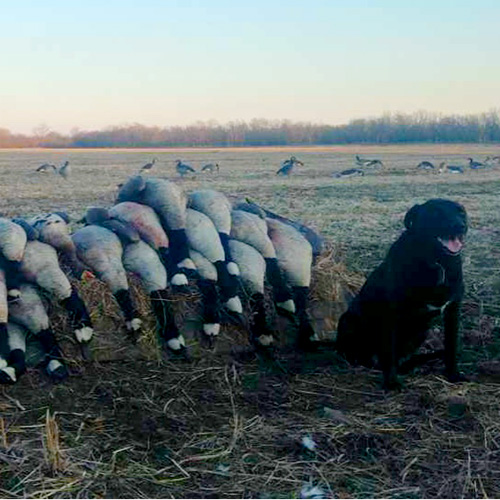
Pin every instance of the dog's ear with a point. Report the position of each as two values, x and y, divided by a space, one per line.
410 216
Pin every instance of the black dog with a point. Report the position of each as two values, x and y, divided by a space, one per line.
420 278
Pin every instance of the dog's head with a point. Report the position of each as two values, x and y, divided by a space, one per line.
443 221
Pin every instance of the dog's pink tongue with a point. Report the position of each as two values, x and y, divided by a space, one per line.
453 245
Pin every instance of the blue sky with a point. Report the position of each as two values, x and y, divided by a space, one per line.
91 64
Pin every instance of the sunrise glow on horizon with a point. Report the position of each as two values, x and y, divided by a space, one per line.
90 65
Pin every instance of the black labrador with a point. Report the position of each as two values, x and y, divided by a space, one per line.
420 279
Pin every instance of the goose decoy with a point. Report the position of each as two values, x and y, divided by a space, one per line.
46 167
363 162
203 237
210 168
475 164
316 241
251 229
30 312
425 165
453 169
64 170
288 165
183 168
149 166
101 250
252 272
40 266
351 172
294 254
169 203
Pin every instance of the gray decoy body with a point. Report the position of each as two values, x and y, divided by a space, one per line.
64 170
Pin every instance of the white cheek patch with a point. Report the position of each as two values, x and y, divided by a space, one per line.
84 334
187 264
265 340
134 325
53 366
211 329
177 343
10 372
179 279
234 305
288 305
233 269
14 293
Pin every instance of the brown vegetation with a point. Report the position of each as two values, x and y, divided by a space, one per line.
132 424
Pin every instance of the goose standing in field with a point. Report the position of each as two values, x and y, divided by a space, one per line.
251 229
30 312
288 165
475 164
425 165
149 166
210 168
64 170
363 162
46 167
351 172
169 202
183 168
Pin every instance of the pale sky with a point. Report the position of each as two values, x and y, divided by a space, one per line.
97 63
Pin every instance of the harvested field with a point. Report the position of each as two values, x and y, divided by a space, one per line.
134 424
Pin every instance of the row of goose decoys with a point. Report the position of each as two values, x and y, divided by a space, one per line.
164 237
287 167
489 161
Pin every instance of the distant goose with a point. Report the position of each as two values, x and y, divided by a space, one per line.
351 172
426 165
46 167
363 162
288 165
64 169
183 168
149 166
453 169
496 158
475 164
210 168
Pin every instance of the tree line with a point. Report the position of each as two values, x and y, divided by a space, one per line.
418 127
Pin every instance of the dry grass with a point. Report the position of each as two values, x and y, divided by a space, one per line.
134 424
